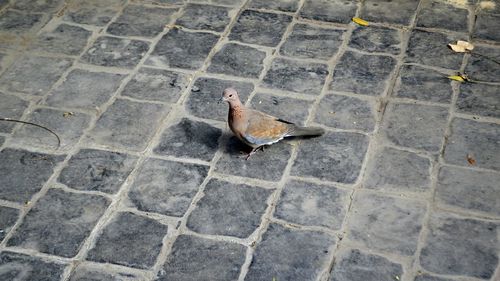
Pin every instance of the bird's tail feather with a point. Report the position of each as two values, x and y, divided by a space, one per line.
298 131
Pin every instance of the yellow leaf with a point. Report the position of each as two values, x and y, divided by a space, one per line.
457 78
360 21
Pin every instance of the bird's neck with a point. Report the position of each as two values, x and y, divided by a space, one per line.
236 110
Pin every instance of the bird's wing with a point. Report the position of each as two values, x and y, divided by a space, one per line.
264 129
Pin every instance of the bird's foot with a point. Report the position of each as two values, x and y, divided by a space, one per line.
247 155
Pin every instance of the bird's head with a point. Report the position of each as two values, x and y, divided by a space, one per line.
230 95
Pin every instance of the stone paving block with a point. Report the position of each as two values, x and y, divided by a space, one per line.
362 74
338 11
87 272
280 5
16 266
475 140
437 14
65 39
427 277
2 140
479 99
156 85
308 41
229 209
37 6
220 2
484 68
301 77
260 28
238 60
416 126
71 218
258 166
346 112
398 170
485 27
289 109
69 129
191 139
3 61
97 170
115 52
203 100
23 173
166 187
355 265
334 157
415 82
84 89
287 254
128 124
208 17
469 189
129 240
182 49
93 12
429 48
33 75
11 107
8 217
194 258
461 247
376 39
386 223
132 21
16 22
388 11
312 204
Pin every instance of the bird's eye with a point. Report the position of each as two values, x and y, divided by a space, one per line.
231 96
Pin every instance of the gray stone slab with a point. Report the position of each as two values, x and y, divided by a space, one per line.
376 39
70 129
296 76
208 17
23 173
307 41
388 11
428 48
37 6
33 75
337 11
115 52
166 187
362 74
469 189
133 22
64 39
312 204
334 157
200 259
398 170
129 240
286 254
97 170
11 107
192 139
460 247
62 211
438 14
258 166
15 22
128 124
219 2
2 140
8 217
485 27
87 272
229 209
280 5
475 140
346 112
93 12
182 49
386 223
16 266
3 61
84 89
428 277
289 109
260 28
479 99
416 126
238 60
482 65
415 82
205 93
156 85
354 265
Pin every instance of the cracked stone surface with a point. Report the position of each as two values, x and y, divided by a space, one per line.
28 267
415 82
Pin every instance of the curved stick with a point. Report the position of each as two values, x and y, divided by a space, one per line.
40 126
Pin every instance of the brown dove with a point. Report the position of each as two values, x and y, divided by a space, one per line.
257 129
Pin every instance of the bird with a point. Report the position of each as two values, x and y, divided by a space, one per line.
258 129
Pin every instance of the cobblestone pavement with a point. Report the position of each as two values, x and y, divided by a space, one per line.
148 183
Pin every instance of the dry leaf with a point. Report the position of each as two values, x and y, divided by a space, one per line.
360 21
471 160
68 114
461 46
458 78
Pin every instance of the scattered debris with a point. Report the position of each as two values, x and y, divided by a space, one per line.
360 21
173 26
471 160
396 277
461 47
68 114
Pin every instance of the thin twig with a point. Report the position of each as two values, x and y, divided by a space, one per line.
39 126
485 56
